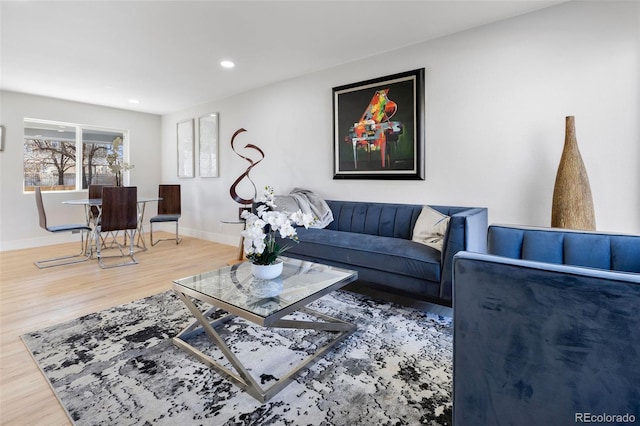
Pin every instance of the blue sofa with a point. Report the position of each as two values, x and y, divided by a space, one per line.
547 328
375 240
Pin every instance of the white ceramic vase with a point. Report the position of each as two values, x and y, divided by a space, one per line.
267 272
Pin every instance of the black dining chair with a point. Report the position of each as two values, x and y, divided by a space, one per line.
74 229
169 210
119 212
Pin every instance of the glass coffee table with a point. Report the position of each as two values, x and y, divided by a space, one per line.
233 290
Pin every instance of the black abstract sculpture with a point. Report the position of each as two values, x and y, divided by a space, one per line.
232 191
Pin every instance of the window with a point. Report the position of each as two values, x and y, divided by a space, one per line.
52 151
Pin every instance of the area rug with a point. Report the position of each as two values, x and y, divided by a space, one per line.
120 367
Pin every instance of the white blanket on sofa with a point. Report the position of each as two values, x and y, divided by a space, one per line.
311 203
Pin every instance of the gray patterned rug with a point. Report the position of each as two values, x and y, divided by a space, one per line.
119 367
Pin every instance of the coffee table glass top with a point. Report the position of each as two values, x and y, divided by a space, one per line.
236 287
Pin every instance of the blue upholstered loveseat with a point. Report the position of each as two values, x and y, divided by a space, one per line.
375 240
547 328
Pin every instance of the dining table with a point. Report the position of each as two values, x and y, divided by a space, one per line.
97 202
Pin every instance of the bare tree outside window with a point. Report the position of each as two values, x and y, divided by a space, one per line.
64 157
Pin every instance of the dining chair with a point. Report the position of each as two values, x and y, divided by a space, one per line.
95 192
119 212
169 210
74 229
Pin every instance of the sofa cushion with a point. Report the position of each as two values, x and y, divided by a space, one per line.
394 255
625 254
430 228
594 252
386 220
543 247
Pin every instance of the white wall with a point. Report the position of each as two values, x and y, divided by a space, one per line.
18 216
496 100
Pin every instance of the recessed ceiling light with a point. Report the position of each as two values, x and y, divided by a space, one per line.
134 101
227 64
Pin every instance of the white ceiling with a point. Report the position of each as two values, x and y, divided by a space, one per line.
166 54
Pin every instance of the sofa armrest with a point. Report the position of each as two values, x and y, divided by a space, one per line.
467 231
537 343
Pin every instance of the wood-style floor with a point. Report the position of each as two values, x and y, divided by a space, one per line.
32 298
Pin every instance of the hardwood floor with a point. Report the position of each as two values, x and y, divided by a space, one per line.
32 298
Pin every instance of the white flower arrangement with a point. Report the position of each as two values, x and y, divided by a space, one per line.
113 160
260 245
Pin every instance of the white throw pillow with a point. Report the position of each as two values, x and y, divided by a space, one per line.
430 228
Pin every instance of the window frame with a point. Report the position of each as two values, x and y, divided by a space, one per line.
80 130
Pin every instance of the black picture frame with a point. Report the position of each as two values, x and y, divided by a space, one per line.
378 128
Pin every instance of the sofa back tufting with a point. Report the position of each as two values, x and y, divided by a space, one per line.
569 247
385 220
382 219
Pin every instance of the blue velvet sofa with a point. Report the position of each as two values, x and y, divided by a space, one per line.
375 240
547 328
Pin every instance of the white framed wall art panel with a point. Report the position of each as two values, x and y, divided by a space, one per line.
185 149
208 145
